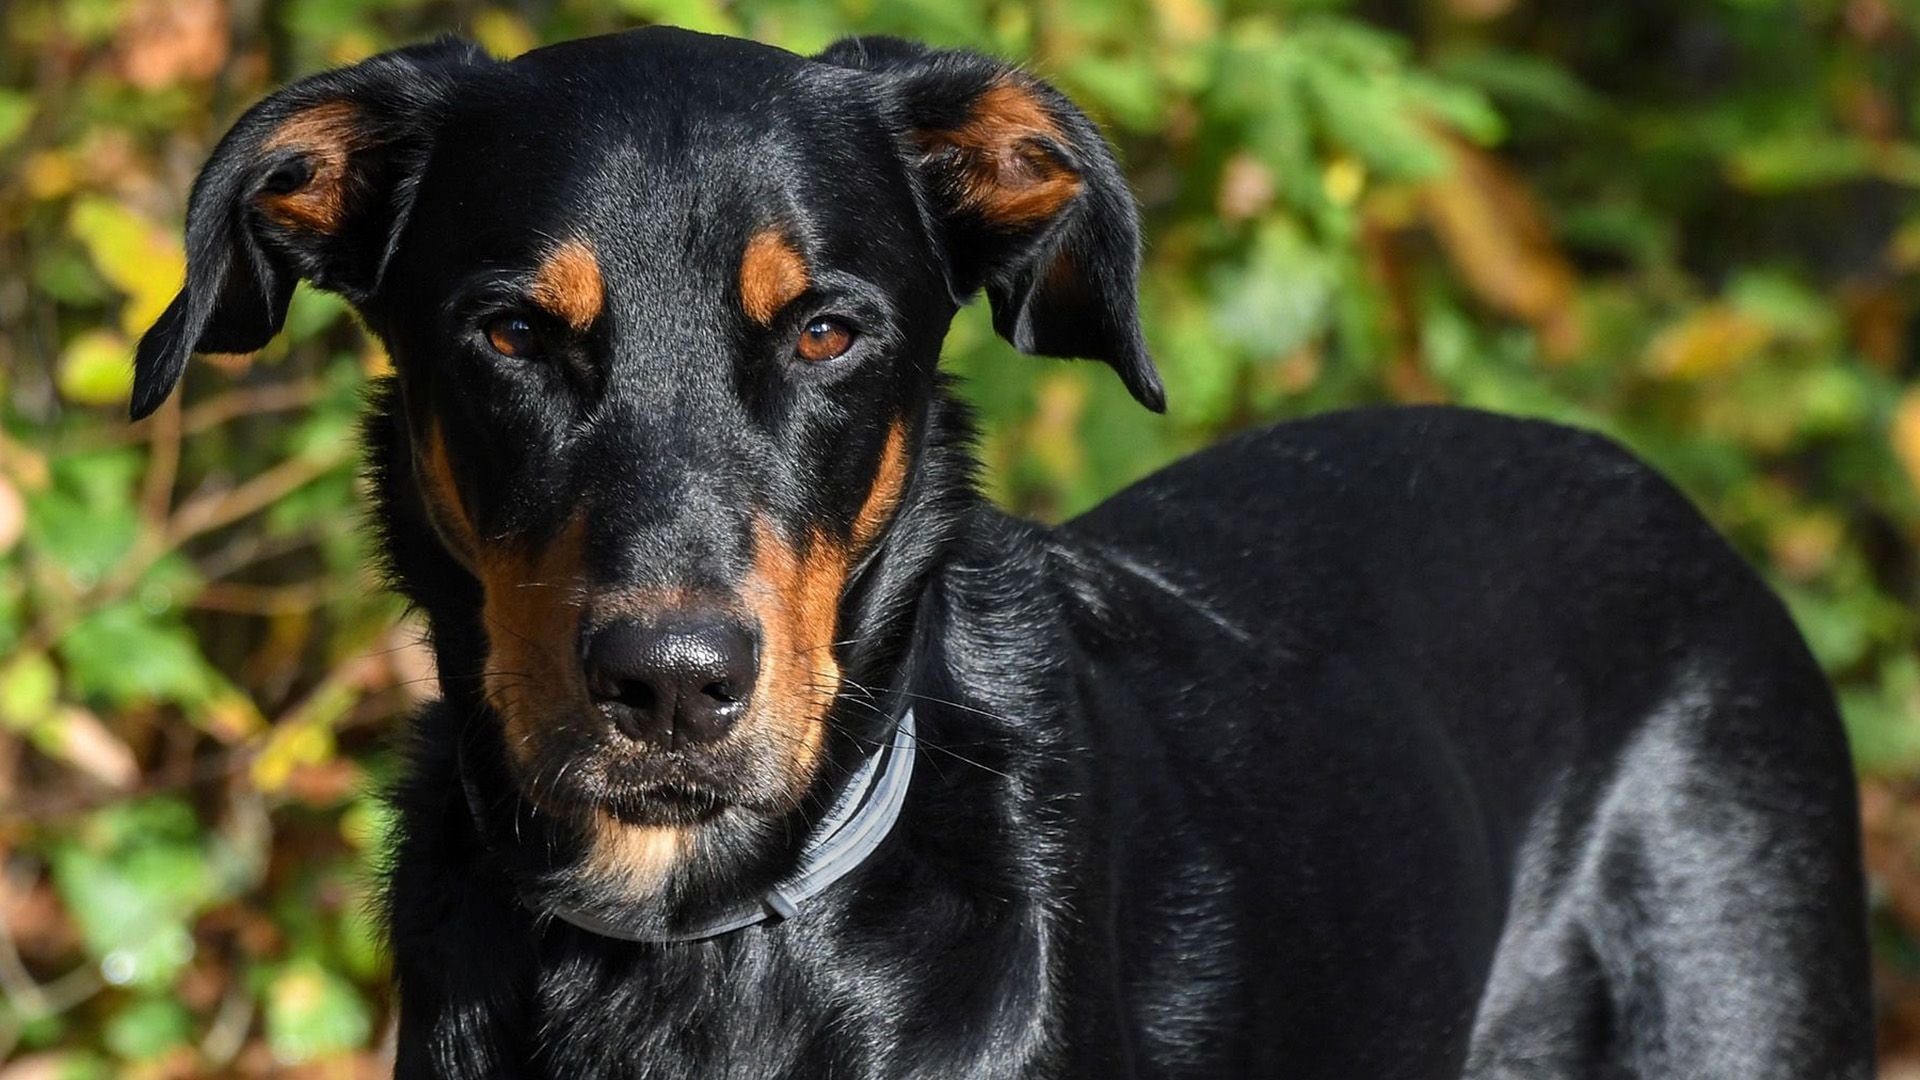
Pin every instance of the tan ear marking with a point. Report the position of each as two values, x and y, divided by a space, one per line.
772 275
1004 175
568 284
326 136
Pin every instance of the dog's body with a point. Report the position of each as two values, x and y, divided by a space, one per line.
1391 744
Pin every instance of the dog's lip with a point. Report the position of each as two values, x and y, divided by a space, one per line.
645 803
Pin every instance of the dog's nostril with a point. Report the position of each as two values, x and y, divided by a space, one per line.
678 680
637 695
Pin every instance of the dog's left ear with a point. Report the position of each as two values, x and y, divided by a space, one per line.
1031 203
311 183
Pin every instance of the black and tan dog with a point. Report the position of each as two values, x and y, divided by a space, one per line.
1397 743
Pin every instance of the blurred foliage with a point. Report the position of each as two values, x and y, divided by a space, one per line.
1688 223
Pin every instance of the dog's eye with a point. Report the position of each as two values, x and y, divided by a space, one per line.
823 339
513 335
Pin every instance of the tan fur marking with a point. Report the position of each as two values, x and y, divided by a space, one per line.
444 508
889 481
327 136
531 613
795 593
533 601
568 284
1003 176
772 274
640 857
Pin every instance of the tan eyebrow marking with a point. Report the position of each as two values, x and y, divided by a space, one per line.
772 274
326 137
568 284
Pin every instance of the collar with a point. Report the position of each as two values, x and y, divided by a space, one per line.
859 820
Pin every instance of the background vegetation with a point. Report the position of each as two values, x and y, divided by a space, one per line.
1687 222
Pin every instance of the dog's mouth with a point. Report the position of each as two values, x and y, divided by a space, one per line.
588 779
679 804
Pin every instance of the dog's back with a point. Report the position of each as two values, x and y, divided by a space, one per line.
1439 740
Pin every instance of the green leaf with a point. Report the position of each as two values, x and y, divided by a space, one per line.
122 655
1797 160
705 16
1368 117
1522 81
148 1028
132 877
16 111
29 689
1123 91
312 1012
86 521
97 369
1281 299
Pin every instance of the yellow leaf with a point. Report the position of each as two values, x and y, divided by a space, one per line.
1343 180
48 174
298 991
97 369
135 256
1186 21
1053 439
1711 341
352 47
290 746
1906 434
231 717
503 33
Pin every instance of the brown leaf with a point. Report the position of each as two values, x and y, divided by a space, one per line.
87 745
1246 188
164 42
13 515
1496 233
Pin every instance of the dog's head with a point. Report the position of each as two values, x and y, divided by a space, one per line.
664 310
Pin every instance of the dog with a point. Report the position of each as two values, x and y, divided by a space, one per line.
1390 743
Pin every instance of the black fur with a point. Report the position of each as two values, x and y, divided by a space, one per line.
1396 743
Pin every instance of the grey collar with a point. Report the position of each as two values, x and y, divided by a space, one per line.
853 829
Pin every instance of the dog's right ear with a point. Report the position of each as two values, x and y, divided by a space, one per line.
1027 201
310 183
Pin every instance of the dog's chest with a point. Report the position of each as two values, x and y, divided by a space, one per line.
729 1011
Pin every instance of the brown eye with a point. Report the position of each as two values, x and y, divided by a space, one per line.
513 335
823 339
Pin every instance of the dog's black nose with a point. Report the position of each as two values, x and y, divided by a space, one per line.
677 681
